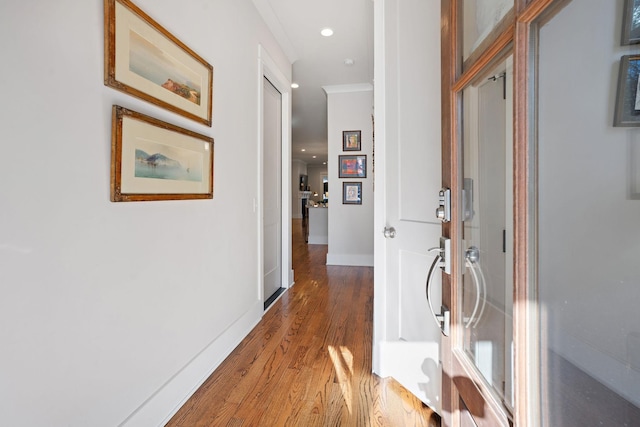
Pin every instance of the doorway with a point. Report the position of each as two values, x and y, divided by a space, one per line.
274 202
272 192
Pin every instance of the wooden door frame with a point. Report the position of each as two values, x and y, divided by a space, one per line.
514 34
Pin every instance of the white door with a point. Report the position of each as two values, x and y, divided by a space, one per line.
272 193
407 182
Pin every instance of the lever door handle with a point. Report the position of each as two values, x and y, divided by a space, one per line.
472 261
443 319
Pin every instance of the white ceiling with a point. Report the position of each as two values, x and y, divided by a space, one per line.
319 61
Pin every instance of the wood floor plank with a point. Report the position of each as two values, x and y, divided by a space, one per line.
308 362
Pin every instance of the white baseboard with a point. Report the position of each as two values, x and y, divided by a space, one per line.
318 240
613 373
356 260
158 409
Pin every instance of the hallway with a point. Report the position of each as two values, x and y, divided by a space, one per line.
308 361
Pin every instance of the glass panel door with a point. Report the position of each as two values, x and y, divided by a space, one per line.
479 19
588 221
487 261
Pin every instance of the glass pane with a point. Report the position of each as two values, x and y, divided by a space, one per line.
588 223
487 285
478 19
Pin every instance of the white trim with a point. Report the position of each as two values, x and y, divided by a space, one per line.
379 200
362 260
268 68
169 398
318 240
272 21
619 376
356 87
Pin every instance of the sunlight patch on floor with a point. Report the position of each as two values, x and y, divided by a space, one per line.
343 364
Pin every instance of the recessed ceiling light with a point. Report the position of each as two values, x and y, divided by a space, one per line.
327 32
314 156
295 85
324 163
304 149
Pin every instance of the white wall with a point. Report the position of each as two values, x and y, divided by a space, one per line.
589 222
112 313
350 226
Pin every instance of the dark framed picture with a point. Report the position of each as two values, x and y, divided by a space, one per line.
352 166
631 22
143 59
155 160
627 110
352 193
351 140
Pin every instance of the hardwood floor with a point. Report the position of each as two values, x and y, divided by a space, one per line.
308 361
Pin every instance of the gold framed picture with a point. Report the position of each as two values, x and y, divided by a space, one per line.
155 160
144 60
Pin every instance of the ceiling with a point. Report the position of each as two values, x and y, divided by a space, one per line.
320 61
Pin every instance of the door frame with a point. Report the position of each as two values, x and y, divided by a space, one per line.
267 68
514 34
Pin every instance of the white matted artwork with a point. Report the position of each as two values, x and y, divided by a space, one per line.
144 60
154 160
352 193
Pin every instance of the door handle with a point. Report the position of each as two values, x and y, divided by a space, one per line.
472 261
443 318
389 232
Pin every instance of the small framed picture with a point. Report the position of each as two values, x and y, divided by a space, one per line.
631 22
627 111
351 140
352 166
351 193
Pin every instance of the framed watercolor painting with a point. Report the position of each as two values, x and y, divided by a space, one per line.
627 110
144 60
351 140
352 193
155 160
352 166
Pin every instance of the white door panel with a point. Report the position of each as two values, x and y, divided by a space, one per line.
415 320
272 194
408 177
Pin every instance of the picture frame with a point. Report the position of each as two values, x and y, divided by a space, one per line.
351 140
155 160
145 60
631 22
352 193
352 166
627 108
